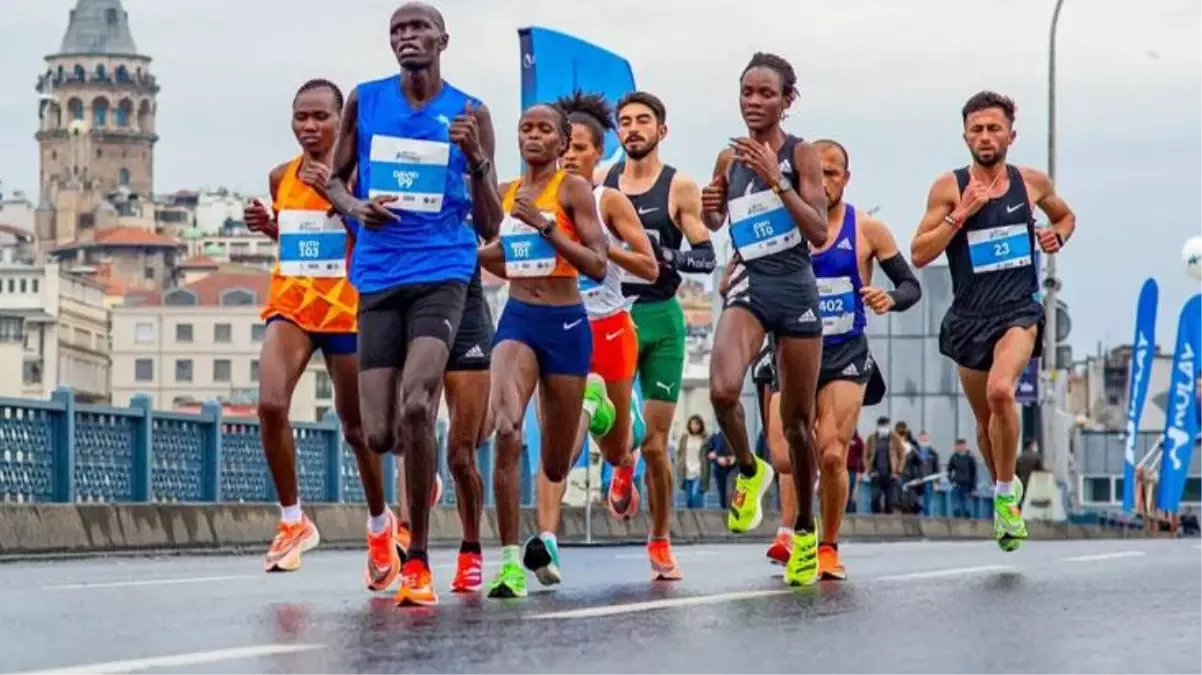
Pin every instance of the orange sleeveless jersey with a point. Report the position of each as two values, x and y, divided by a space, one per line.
318 305
548 203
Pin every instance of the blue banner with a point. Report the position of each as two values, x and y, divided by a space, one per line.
555 64
1143 350
1181 412
1027 392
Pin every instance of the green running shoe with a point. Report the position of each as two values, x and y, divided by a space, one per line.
597 404
542 558
802 569
746 506
1008 526
510 582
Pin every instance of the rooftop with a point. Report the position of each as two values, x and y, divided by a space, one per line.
123 236
209 290
98 27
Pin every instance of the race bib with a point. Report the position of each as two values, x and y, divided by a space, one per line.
999 248
412 171
837 305
760 225
590 290
527 253
311 244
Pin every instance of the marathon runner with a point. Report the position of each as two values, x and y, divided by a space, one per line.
983 216
312 306
551 231
412 137
669 206
771 186
610 412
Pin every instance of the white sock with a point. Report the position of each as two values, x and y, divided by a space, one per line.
291 514
590 407
377 524
549 535
785 531
1004 488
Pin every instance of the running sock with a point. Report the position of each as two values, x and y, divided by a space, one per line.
544 535
1004 487
748 471
291 514
784 532
511 555
470 547
801 527
833 544
377 524
418 555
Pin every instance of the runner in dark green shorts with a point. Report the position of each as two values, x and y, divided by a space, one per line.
669 206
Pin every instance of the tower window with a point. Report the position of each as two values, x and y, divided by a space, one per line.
75 107
123 176
110 16
79 72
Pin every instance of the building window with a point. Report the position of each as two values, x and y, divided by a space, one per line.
257 331
183 370
176 297
24 286
79 72
222 333
237 298
100 114
323 387
144 370
12 286
32 372
125 110
221 370
254 370
321 411
183 332
143 332
123 177
34 283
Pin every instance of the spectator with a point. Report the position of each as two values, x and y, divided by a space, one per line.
1189 523
884 454
922 462
722 463
962 474
855 468
691 465
1029 461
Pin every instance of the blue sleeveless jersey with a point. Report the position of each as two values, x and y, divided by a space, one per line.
407 154
837 270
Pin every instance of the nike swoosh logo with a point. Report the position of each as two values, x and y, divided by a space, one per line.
570 326
1012 209
643 211
610 336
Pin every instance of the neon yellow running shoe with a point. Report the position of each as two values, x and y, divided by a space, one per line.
597 404
746 506
1008 526
510 581
802 569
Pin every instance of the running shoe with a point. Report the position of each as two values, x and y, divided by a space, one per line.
291 540
383 556
780 550
746 506
469 573
402 540
417 585
663 563
510 582
542 558
596 401
830 568
1008 526
623 497
802 569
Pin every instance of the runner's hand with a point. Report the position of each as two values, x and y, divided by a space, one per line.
1048 240
465 132
876 299
525 211
713 196
976 195
373 213
258 218
314 174
759 158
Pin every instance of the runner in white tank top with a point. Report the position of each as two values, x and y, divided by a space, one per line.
602 300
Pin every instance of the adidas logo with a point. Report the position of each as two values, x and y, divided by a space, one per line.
808 317
474 353
786 166
851 370
845 244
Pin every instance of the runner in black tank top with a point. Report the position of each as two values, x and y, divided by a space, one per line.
981 216
669 206
770 185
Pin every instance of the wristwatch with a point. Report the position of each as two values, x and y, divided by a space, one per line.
547 228
782 186
951 220
479 171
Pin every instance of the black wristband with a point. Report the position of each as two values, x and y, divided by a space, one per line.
1059 239
480 171
547 228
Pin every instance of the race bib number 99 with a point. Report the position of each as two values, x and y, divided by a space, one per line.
412 171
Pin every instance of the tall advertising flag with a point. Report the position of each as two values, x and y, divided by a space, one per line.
1142 353
555 64
1181 412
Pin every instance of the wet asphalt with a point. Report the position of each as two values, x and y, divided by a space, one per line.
1130 606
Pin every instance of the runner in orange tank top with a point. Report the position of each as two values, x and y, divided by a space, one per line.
313 306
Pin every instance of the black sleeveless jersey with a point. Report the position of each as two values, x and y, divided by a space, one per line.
652 207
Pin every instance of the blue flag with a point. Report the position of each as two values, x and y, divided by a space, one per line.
1181 413
1142 352
555 64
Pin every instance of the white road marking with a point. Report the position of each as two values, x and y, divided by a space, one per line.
679 554
1102 556
952 572
181 660
148 582
634 607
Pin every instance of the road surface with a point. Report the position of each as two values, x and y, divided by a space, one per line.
1085 606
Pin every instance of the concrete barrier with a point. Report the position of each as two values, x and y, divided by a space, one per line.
90 529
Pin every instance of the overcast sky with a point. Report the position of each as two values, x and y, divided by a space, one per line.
886 77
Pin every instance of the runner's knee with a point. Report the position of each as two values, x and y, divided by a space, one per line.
380 438
354 436
798 433
1000 394
725 391
832 459
273 408
462 462
509 439
556 468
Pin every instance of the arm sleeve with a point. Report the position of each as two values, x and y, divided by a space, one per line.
906 291
698 260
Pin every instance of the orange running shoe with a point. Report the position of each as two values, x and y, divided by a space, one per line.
623 496
383 557
291 540
402 539
663 563
417 585
780 550
469 573
829 565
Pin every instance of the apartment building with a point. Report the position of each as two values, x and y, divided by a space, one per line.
201 341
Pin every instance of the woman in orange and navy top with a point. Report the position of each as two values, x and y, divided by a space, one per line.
311 306
550 235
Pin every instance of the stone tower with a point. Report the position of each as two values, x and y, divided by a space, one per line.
96 112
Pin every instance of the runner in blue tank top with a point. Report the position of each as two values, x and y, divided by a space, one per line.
412 137
770 185
983 216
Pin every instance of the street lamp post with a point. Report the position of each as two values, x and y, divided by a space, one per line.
1050 397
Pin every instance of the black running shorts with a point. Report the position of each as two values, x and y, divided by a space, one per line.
390 319
472 349
968 337
850 360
